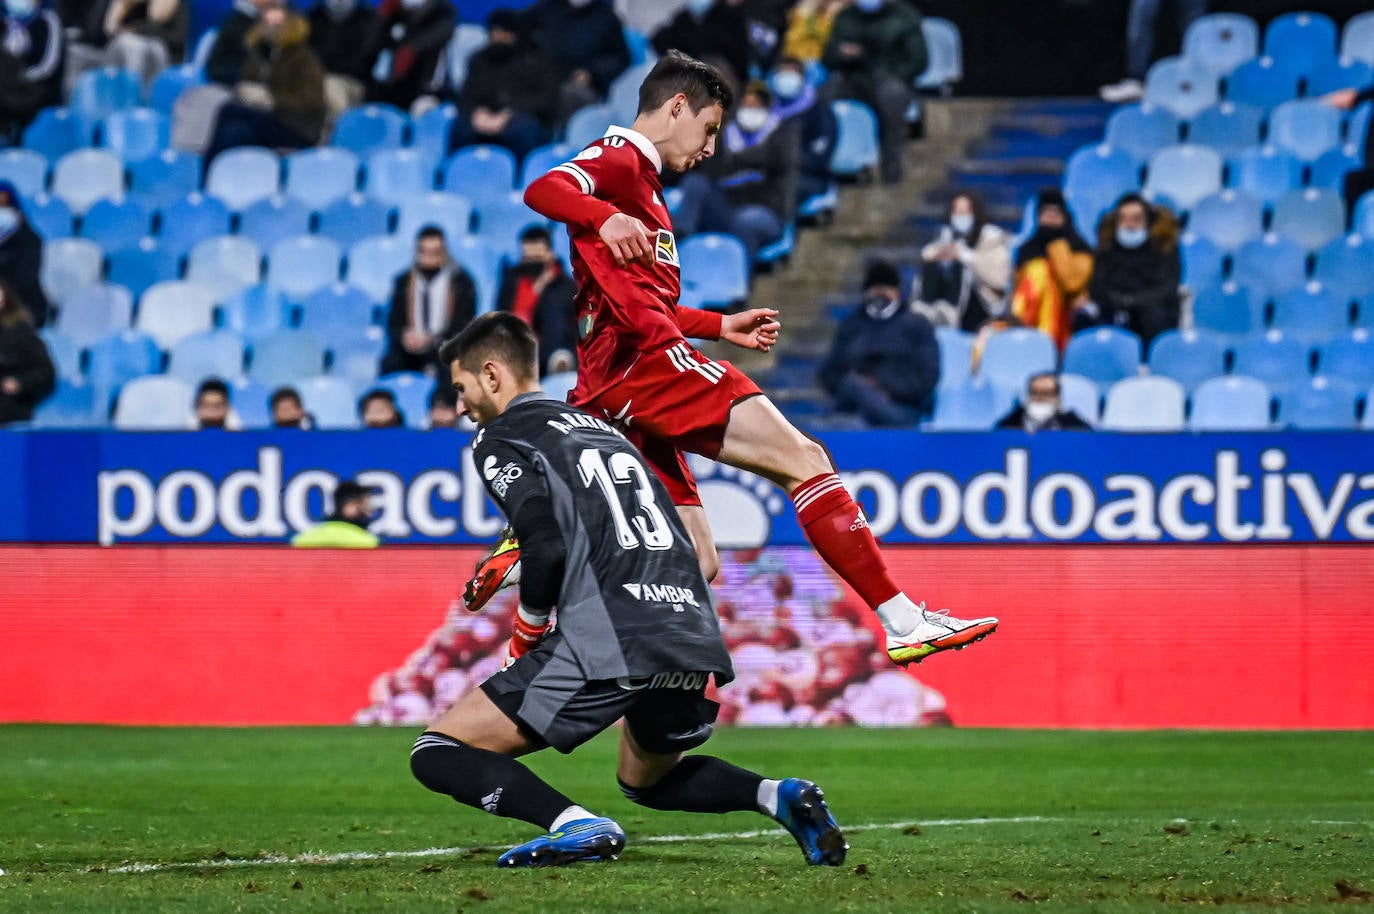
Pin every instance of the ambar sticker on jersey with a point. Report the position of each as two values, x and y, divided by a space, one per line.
666 249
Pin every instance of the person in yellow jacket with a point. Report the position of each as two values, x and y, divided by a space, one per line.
1053 269
346 528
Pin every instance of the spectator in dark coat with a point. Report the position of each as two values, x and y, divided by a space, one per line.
26 371
1137 274
31 55
430 303
714 31
1042 410
586 42
510 95
341 34
795 99
540 292
885 362
412 57
228 53
1358 181
21 255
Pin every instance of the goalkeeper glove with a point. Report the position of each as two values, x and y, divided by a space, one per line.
530 626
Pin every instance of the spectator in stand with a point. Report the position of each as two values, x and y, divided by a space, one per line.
808 29
230 51
1359 181
342 32
1041 409
288 411
1140 45
411 59
510 95
378 409
26 370
354 508
443 407
31 54
714 31
141 36
766 21
794 99
212 406
884 362
966 271
1053 269
539 291
749 187
586 43
282 90
430 303
1137 271
21 255
875 52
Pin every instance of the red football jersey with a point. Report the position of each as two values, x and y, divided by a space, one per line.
621 310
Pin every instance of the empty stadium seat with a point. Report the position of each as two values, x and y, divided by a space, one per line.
1311 313
1270 265
501 220
224 265
1184 174
286 357
243 176
587 125
394 174
190 220
136 134
255 312
1357 40
856 143
331 401
1204 262
55 132
430 131
1279 360
448 211
483 262
1149 404
972 407
714 269
155 403
143 265
1261 83
249 400
1266 173
1338 74
1142 130
370 128
1350 357
172 310
320 176
100 93
211 354
1228 128
1229 310
115 224
1082 395
1220 42
1307 128
64 351
170 83
1328 171
1187 356
48 216
95 312
1103 354
350 219
25 169
480 173
374 264
117 358
169 176
946 49
1310 217
300 266
1231 404
357 359
1345 266
337 305
412 391
82 177
1308 40
1181 86
274 219
1323 403
1229 218
540 160
69 264
1012 356
71 405
623 96
956 355
1095 177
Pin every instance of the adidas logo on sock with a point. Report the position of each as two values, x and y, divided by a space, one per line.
490 800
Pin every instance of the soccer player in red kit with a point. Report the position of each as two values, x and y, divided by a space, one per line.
636 367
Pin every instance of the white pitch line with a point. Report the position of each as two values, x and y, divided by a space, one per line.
321 859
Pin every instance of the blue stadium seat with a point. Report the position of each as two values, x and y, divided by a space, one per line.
169 176
155 403
501 220
856 143
136 134
587 125
1280 361
483 262
1346 267
1082 395
1306 128
1310 217
1094 179
1181 86
370 128
1266 173
205 46
286 357
356 360
412 391
331 401
946 48
468 38
374 264
320 176
274 219
336 306
350 219
540 160
190 220
1363 220
243 176
1228 128
249 400
715 271
212 354
1188 356
481 173
1357 40
1103 354
55 132
1319 404
1221 42
71 405
430 131
64 351
1142 130
1149 404
116 359
1012 356
95 312
973 407
82 177
224 265
956 356
818 207
1229 218
1328 171
623 96
394 174
115 224
48 216
1311 313
1231 404
1185 174
69 265
1338 74
1350 357
172 310
1357 122
25 169
143 265
1364 312
170 83
1306 40
1270 265
300 266
1229 310
1204 262
100 93
255 312
1261 83
448 211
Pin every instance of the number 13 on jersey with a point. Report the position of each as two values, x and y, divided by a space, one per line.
649 526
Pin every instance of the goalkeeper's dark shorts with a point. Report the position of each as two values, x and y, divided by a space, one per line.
546 695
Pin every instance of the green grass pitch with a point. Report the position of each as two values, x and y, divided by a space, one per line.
1117 822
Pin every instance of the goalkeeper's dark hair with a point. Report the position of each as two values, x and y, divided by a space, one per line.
675 72
496 337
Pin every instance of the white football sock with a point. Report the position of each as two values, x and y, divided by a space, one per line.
768 797
571 814
899 615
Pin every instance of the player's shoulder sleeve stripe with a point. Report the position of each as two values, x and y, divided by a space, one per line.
583 179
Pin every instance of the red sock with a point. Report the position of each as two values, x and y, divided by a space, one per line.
836 527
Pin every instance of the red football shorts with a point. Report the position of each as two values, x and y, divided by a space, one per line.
670 403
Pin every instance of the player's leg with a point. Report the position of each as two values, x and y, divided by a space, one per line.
669 464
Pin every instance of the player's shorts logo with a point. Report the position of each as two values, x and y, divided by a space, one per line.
666 249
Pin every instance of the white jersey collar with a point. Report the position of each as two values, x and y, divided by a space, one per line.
640 141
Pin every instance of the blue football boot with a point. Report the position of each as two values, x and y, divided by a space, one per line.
802 811
581 839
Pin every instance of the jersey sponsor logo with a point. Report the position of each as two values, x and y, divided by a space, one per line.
502 478
683 360
690 682
662 593
666 249
584 326
591 152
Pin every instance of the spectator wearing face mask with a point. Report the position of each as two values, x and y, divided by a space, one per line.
585 40
795 101
411 59
884 363
539 291
341 34
443 407
21 255
288 411
1053 268
1041 410
213 409
967 269
714 31
26 369
1137 272
31 56
430 303
346 528
510 95
378 409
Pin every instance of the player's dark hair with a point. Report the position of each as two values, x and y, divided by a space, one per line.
675 72
536 234
212 386
499 337
284 393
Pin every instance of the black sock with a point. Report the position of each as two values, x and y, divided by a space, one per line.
701 783
485 780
